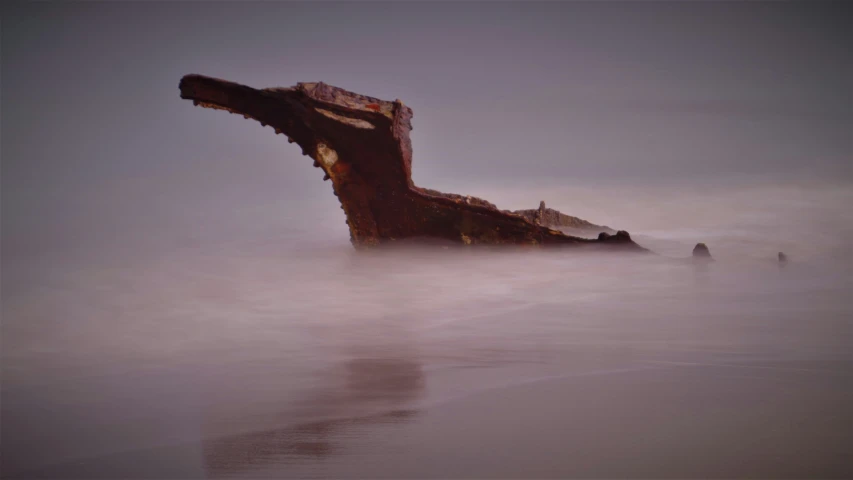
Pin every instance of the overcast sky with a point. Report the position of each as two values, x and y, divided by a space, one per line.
96 141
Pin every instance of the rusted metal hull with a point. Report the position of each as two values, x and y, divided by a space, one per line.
362 145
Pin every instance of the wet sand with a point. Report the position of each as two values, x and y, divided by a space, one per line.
657 419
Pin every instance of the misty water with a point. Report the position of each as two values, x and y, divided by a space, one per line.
282 352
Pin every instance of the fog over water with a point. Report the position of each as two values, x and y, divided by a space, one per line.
180 298
292 355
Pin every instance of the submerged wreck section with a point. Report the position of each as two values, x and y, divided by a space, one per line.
552 218
362 145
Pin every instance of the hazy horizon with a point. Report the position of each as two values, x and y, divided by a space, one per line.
180 298
505 95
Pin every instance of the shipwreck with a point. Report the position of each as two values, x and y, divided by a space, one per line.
362 145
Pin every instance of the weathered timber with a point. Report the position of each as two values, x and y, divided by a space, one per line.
362 145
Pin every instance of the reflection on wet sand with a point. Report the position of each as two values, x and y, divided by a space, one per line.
390 385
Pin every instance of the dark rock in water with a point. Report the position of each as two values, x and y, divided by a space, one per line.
362 145
783 259
701 252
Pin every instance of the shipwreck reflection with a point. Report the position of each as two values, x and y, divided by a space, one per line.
374 392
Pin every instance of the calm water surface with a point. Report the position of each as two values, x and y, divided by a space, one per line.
296 357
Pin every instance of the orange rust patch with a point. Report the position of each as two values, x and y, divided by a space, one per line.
373 106
340 168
